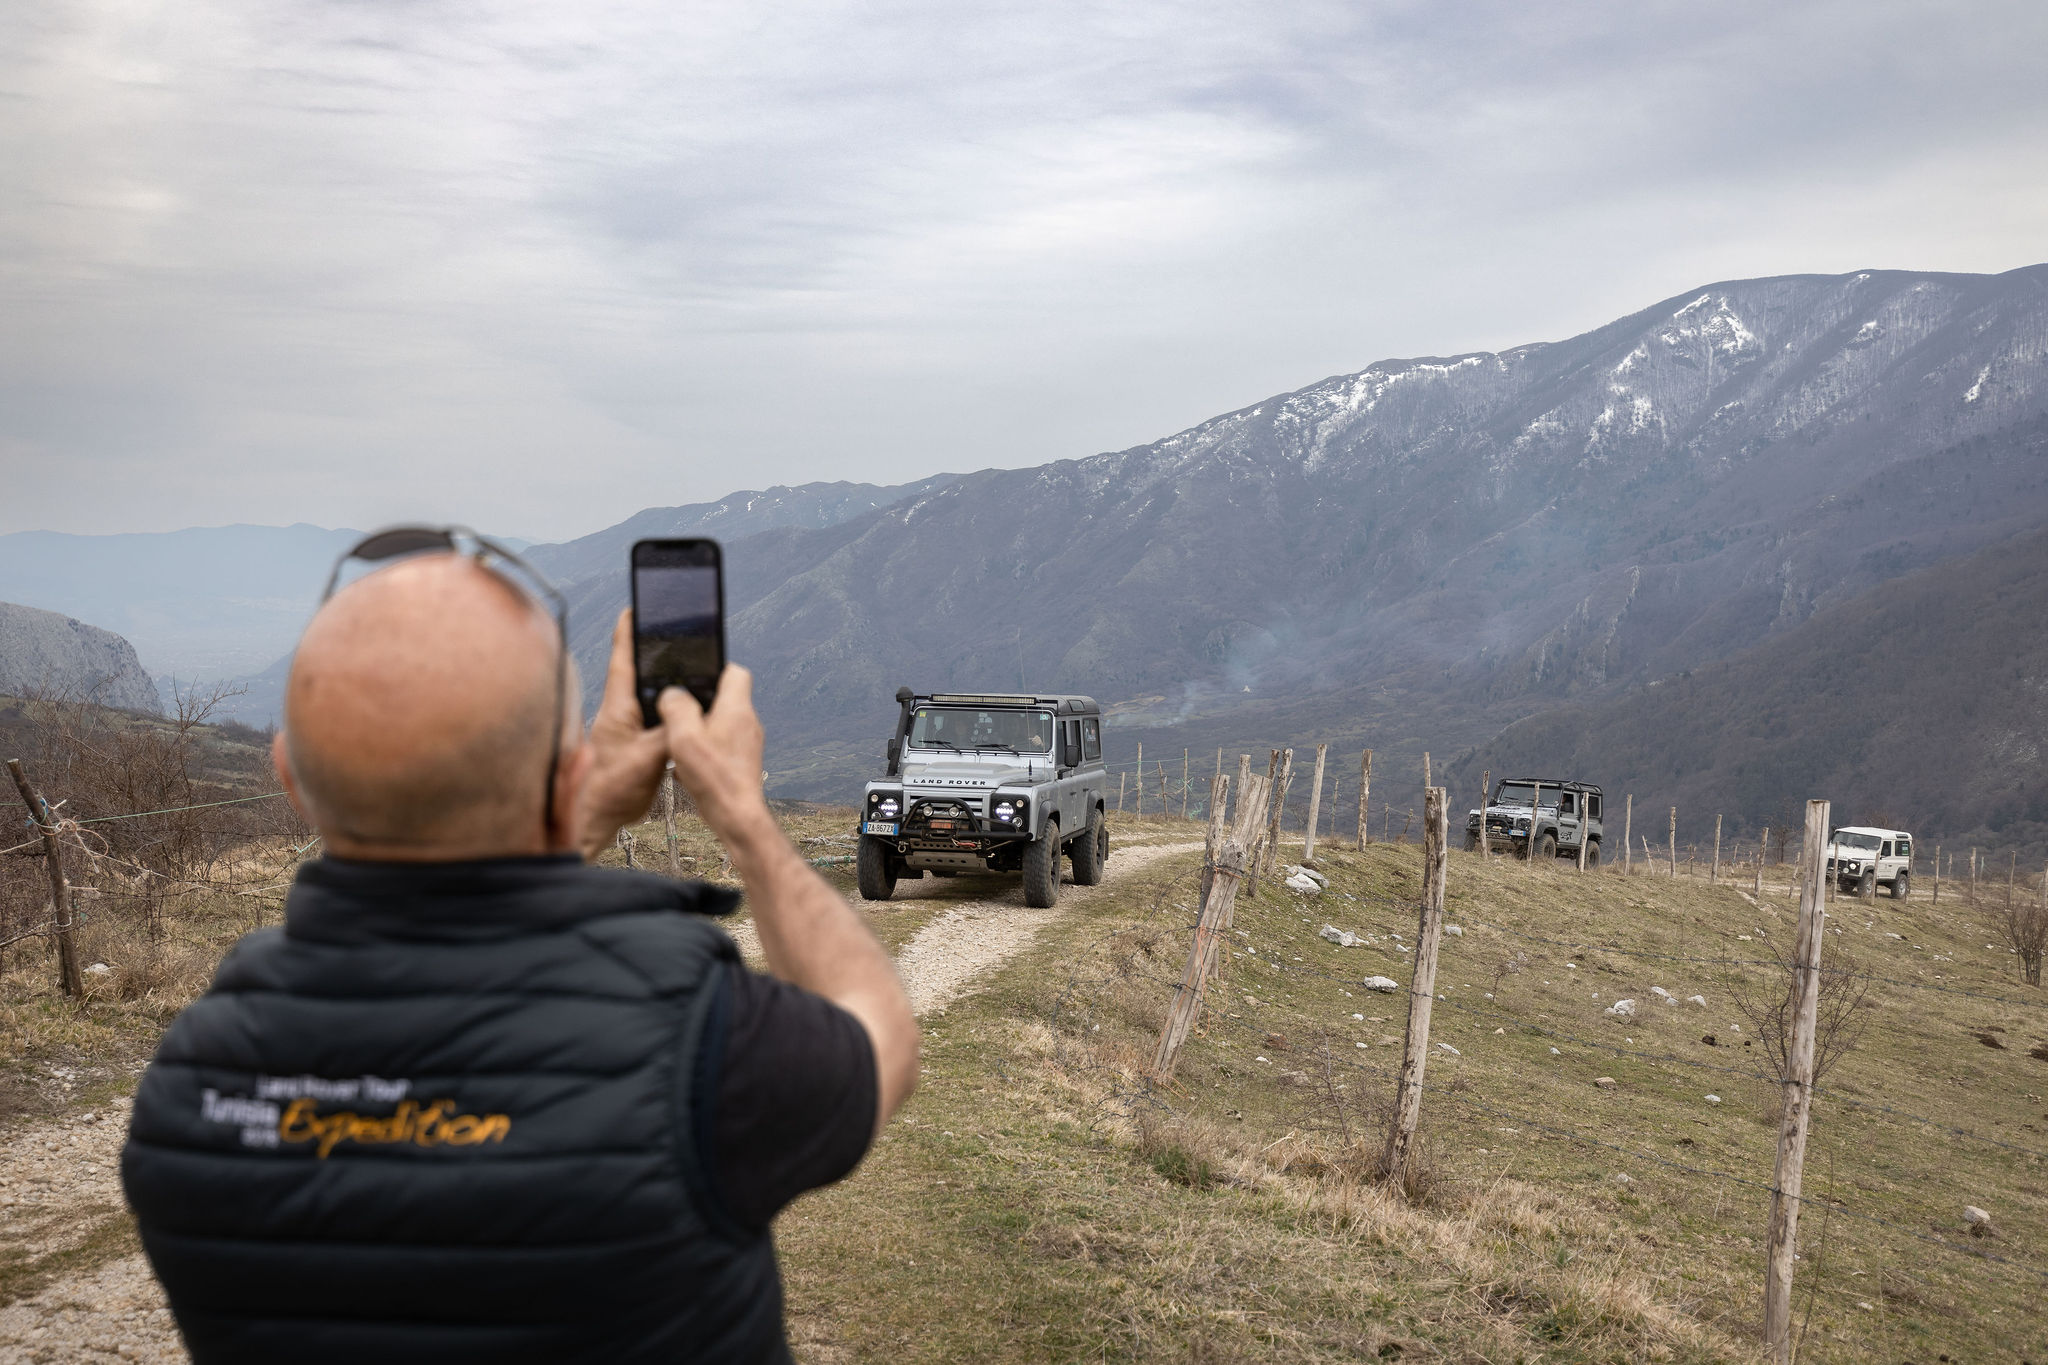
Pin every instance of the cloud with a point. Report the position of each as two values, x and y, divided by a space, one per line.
537 266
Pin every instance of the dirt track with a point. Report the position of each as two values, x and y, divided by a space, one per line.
59 1180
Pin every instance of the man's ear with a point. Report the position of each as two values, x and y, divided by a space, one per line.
571 776
281 763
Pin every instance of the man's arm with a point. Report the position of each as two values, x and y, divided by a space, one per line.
809 934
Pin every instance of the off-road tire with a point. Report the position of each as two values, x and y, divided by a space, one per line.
1593 854
1042 869
1902 886
875 865
1091 851
1546 847
1866 886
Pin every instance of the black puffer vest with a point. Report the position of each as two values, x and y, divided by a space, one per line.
447 1113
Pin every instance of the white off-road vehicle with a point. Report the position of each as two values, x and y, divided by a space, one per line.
986 782
1862 858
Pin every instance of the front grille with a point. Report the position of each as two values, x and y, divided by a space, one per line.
975 803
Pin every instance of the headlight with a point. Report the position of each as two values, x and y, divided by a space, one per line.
1009 810
885 805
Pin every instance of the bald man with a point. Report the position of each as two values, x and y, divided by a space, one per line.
477 1099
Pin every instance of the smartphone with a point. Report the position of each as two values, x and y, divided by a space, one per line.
678 620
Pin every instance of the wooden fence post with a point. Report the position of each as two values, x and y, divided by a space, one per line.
1585 826
1213 921
1255 850
1138 811
1674 843
1764 844
668 822
1714 872
1937 874
1973 876
1628 829
1365 800
1219 797
1243 826
1535 813
1798 1086
1421 990
69 977
1485 799
1121 778
1276 808
1183 784
1315 807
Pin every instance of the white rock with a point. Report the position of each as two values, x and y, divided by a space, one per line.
1555 1053
1699 1000
1660 992
1305 884
1318 878
98 969
1713 1099
1446 1047
1343 938
1624 1178
1621 1009
1384 984
1455 930
1975 1216
1359 1017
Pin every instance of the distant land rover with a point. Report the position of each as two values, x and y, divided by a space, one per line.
988 782
1862 858
1549 816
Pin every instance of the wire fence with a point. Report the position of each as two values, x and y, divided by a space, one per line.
1284 1053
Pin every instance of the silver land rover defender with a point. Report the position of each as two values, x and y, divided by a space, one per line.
1862 858
986 782
1551 817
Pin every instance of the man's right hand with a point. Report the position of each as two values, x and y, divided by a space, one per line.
718 756
809 934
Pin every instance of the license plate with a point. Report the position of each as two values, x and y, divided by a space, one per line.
881 827
942 824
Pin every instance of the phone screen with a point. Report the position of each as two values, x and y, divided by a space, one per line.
678 621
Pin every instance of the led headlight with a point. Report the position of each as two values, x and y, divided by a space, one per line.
1006 811
884 805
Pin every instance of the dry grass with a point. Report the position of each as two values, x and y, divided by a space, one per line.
1036 1202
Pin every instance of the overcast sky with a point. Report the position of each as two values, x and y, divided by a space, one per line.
536 266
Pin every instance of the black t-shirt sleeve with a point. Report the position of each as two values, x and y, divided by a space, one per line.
786 1095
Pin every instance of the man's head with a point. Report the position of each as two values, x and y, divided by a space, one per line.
419 716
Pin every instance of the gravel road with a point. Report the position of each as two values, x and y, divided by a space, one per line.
60 1179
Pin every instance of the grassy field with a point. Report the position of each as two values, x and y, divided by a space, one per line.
1037 1202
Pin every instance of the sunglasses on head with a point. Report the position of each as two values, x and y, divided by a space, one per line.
401 542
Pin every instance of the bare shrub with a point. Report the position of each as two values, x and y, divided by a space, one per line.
1843 1014
2023 923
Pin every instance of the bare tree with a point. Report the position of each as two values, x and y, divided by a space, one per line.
2023 923
1844 1012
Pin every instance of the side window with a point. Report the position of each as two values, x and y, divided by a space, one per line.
1071 749
1905 848
1565 805
1886 850
1091 738
1593 806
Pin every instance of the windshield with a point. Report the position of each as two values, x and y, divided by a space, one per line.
963 727
1866 842
1521 794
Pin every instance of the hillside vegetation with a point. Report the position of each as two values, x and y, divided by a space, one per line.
1037 1201
1922 704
